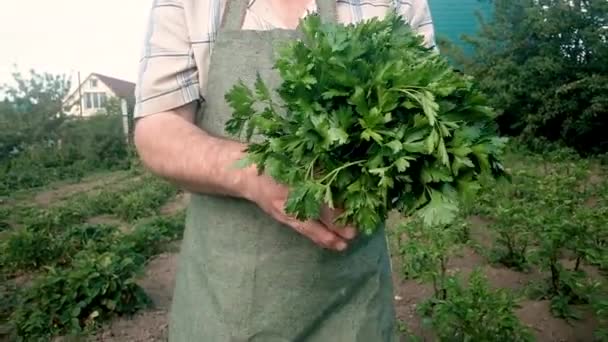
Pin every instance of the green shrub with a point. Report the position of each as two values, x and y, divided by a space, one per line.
5 214
426 250
545 217
8 302
57 218
51 236
97 277
601 310
66 301
28 249
99 141
514 236
474 312
543 64
148 237
145 201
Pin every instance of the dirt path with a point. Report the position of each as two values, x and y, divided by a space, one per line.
63 191
179 203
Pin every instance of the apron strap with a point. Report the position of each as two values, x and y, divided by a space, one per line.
234 14
235 11
328 11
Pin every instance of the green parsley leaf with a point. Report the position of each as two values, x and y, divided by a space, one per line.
371 121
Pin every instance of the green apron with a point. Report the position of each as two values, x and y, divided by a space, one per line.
242 276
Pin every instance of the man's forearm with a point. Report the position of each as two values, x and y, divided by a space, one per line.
175 149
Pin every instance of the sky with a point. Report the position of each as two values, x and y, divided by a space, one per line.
68 36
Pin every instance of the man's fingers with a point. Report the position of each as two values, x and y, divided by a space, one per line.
328 217
320 235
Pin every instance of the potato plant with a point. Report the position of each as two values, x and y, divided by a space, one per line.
456 311
474 312
66 301
425 251
551 218
51 235
83 273
94 280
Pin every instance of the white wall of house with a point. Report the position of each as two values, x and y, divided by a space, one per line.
94 94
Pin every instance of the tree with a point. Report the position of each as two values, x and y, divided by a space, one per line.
544 64
31 112
39 143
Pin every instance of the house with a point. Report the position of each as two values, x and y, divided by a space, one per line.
92 94
452 19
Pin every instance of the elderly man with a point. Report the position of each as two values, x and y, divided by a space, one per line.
248 271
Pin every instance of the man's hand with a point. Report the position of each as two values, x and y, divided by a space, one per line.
271 197
171 146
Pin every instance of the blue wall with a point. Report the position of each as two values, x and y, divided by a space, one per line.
452 18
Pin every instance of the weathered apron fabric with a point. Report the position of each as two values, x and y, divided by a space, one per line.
242 276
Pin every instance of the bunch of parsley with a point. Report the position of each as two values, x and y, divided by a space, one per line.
368 120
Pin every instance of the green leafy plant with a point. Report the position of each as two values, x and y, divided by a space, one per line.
59 217
558 231
52 236
97 287
4 219
29 249
148 237
97 278
40 144
405 332
369 121
474 312
26 250
92 237
145 201
601 309
544 219
425 252
8 303
514 236
543 65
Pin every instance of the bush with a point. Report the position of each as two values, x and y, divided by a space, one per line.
148 237
543 219
96 278
145 201
426 252
40 144
25 250
4 218
601 309
66 301
99 141
28 249
474 313
543 64
53 235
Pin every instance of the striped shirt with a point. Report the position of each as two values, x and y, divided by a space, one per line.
180 35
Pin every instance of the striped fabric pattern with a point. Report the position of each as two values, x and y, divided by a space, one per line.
180 35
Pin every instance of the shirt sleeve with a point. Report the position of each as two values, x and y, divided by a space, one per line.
419 14
168 75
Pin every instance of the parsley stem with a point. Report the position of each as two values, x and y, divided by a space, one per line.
410 87
310 170
335 171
